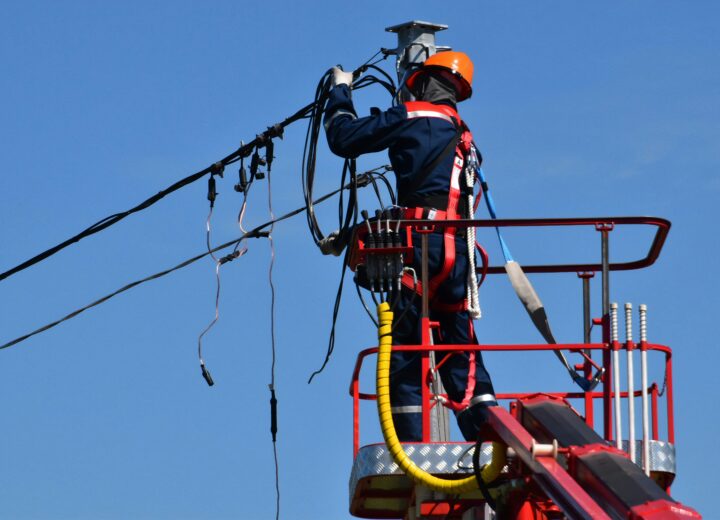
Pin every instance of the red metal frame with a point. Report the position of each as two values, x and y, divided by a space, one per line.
546 471
662 225
660 509
548 475
585 397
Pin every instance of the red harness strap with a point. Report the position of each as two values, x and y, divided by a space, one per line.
416 109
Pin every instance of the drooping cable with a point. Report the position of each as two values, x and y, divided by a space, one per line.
478 472
205 373
253 233
244 150
336 310
348 214
364 304
212 194
309 158
273 396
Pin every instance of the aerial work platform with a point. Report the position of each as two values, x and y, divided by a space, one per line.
554 462
379 488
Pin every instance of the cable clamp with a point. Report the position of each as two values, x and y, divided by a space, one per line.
217 169
232 256
275 131
258 234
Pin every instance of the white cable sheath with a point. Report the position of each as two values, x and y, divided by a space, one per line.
644 377
630 382
616 375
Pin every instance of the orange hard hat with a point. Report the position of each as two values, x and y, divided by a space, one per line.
456 63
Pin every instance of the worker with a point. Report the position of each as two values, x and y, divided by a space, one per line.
425 139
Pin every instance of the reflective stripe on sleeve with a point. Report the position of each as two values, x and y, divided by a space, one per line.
336 114
428 113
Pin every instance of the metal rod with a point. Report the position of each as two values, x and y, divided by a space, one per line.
587 327
424 275
587 319
616 374
605 259
426 335
669 398
630 381
605 253
644 381
654 405
436 426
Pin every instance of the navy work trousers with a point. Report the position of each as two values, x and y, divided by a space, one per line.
455 328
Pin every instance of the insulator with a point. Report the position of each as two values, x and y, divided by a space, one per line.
613 322
628 322
643 321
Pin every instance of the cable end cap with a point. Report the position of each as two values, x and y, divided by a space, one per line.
206 375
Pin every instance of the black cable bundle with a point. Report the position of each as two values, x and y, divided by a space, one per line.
347 216
347 213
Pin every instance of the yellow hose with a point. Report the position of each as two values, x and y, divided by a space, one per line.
489 473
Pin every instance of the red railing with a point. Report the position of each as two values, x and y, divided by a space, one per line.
587 397
597 223
603 225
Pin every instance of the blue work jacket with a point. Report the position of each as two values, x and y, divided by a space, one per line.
412 145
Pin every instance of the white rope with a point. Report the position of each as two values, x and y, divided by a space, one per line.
473 298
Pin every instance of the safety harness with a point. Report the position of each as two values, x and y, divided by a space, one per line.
464 162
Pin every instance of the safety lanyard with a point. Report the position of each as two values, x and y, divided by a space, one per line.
529 298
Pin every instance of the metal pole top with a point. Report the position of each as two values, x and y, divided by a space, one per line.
416 24
416 43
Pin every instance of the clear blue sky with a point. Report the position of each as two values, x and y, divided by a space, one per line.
580 110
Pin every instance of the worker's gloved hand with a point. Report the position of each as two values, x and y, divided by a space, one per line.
330 245
340 77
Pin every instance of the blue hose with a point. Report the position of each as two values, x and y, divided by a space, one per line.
493 215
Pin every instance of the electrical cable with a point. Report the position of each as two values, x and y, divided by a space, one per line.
336 310
203 369
364 304
391 191
347 215
478 472
253 233
243 151
411 303
273 398
212 194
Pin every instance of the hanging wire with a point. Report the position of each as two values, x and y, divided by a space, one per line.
205 372
218 263
253 233
364 304
272 131
273 410
241 216
336 310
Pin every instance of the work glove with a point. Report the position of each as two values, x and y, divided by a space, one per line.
340 77
330 245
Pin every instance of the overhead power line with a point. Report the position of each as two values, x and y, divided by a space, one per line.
245 150
363 180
